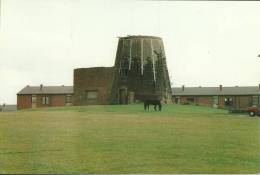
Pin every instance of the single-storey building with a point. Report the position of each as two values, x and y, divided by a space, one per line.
219 97
44 96
7 108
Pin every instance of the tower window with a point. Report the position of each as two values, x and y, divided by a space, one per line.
124 72
92 94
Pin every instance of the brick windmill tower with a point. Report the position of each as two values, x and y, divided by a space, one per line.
140 70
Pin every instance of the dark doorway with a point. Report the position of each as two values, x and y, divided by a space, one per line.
177 100
123 96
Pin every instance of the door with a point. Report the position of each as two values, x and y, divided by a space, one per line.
123 96
131 97
34 101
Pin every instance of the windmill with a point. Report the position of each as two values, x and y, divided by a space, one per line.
145 72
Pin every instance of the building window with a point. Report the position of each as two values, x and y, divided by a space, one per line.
255 100
215 100
228 101
45 100
68 99
90 95
177 100
190 100
33 98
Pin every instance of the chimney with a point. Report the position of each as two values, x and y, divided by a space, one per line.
41 86
183 87
220 87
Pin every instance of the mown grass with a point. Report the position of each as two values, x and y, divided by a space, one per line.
126 139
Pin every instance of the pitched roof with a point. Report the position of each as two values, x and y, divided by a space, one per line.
243 90
46 90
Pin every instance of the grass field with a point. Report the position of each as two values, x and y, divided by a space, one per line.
125 139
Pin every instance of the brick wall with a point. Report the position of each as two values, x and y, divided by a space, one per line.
25 101
198 100
221 101
242 101
39 101
204 101
58 100
98 79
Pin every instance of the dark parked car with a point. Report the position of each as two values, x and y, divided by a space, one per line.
254 110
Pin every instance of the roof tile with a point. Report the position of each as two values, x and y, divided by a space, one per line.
46 90
243 90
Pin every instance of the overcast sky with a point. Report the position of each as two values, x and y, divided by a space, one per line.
206 43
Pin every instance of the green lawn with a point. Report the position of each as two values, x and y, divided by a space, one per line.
126 139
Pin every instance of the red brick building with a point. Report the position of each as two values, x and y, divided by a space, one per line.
44 96
219 97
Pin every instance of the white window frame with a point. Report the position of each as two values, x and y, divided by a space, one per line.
45 100
34 99
255 100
